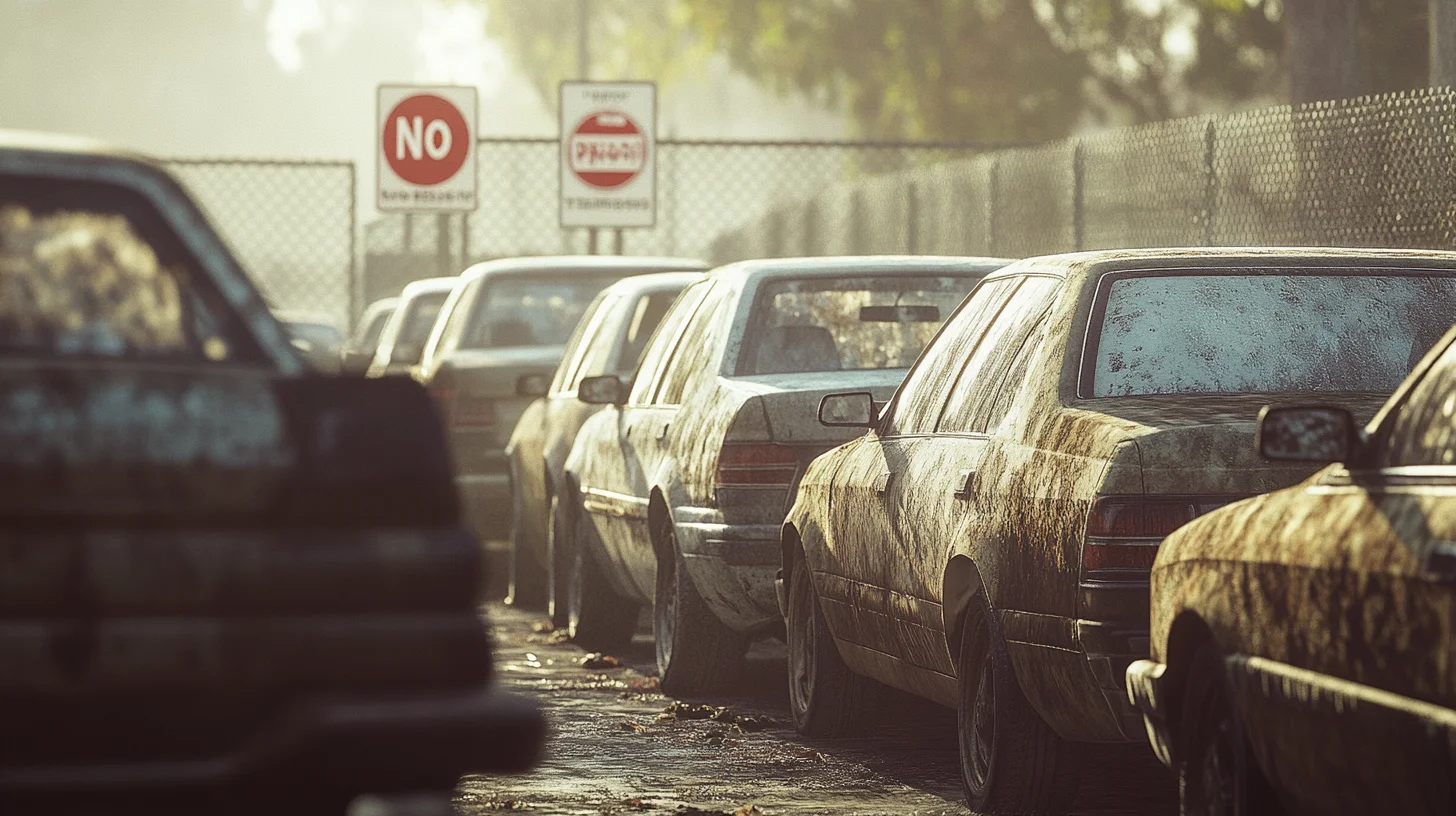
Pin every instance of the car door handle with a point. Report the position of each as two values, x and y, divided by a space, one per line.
662 433
882 484
965 484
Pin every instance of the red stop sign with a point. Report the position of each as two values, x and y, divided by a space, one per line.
607 149
426 139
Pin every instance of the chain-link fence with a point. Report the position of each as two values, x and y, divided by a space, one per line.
291 224
704 189
1376 171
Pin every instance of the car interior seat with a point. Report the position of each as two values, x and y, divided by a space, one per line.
796 349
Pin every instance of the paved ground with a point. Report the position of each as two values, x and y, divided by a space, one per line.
615 749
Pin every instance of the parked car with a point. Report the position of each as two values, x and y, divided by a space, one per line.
681 483
226 583
402 341
987 543
1304 642
315 337
609 339
507 321
358 351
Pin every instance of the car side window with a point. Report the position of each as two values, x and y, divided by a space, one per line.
583 338
644 319
369 332
969 406
1424 429
919 401
451 322
664 340
91 271
697 350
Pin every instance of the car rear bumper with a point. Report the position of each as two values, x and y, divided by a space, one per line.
1145 692
733 567
346 745
1110 647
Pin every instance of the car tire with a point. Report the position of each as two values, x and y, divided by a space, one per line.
560 544
597 617
525 579
1217 774
697 654
826 699
1011 761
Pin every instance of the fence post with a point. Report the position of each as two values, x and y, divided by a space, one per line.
1079 227
994 203
442 244
912 217
1210 182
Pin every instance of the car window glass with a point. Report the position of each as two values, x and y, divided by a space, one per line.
446 333
1424 430
518 310
596 343
417 320
664 340
369 334
1015 379
918 403
81 277
576 347
696 354
645 318
968 408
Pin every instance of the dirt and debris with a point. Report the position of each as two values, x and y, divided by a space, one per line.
597 660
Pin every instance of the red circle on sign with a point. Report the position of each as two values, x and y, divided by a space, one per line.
426 139
607 150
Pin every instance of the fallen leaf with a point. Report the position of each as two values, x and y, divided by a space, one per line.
597 660
542 627
747 810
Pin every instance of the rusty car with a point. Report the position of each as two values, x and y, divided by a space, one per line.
401 343
986 544
1304 641
681 484
609 339
506 322
358 351
228 580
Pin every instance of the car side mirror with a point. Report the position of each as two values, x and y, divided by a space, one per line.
406 353
608 389
533 385
1307 434
854 410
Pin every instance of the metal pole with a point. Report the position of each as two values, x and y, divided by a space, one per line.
442 243
583 71
617 241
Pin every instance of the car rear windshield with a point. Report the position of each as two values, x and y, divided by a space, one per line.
846 324
419 318
535 311
1336 331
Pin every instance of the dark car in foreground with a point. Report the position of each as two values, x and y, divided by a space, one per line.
508 320
987 544
1304 641
680 485
228 581
609 339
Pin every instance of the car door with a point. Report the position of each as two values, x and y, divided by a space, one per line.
613 484
866 553
940 499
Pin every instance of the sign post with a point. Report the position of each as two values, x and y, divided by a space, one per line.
426 158
608 154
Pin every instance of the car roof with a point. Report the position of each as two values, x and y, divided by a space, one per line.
625 264
654 282
381 305
1113 260
835 266
427 285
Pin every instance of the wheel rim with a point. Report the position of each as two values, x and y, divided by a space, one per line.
801 648
978 740
665 605
1218 774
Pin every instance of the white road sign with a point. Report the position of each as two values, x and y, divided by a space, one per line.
426 138
608 154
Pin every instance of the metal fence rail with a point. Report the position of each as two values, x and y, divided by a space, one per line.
291 224
1375 171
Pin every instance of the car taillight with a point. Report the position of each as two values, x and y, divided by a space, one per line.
756 464
471 411
1123 533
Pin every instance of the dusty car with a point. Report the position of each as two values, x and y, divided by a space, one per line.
1303 641
358 351
509 320
609 339
228 581
402 342
315 337
681 484
987 543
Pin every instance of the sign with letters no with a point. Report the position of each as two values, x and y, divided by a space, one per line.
426 139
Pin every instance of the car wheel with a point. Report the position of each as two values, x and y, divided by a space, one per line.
559 544
526 581
1217 775
1011 760
825 697
598 618
696 653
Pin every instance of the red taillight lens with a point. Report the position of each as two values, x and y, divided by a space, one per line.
471 411
1116 517
740 464
1106 556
